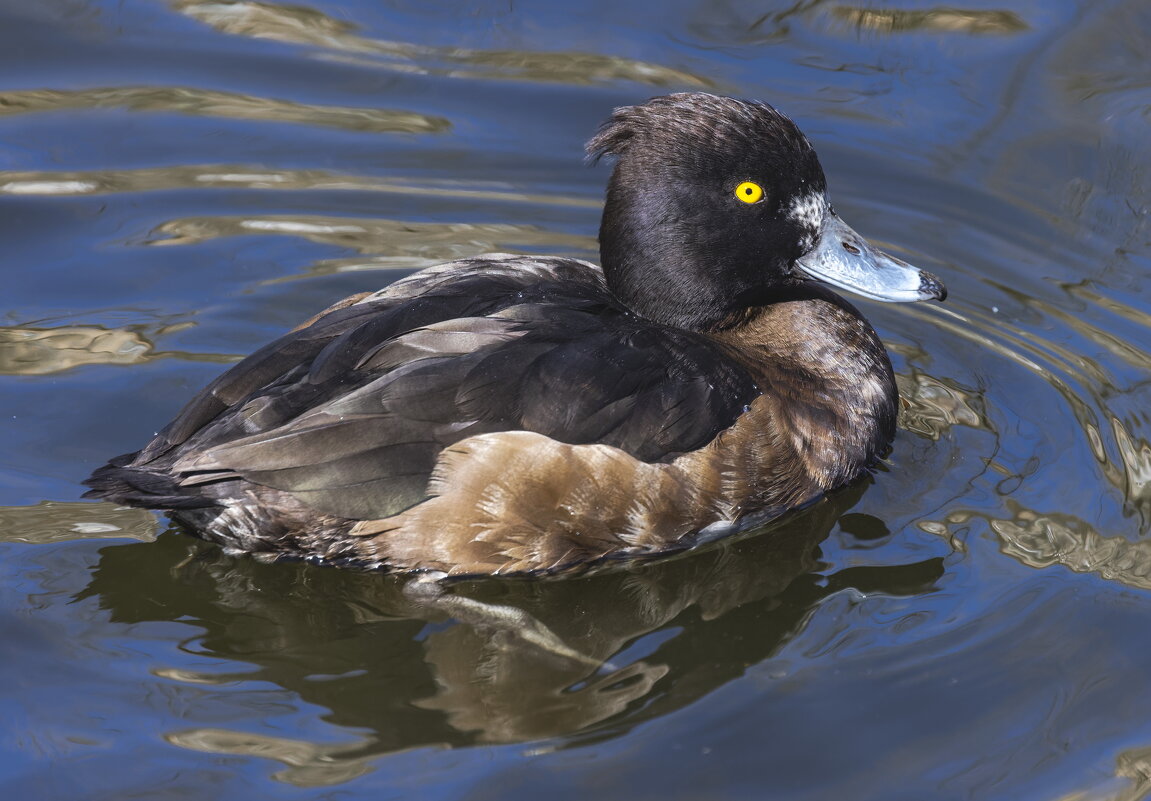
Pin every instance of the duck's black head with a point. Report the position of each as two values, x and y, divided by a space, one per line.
719 204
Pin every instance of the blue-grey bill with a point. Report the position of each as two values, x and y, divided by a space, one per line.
844 259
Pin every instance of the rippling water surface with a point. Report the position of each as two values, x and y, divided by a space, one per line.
181 181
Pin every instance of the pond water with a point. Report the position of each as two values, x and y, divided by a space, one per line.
182 181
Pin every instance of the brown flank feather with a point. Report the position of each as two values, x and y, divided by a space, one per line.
519 502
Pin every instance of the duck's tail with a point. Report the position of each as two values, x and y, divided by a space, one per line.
121 482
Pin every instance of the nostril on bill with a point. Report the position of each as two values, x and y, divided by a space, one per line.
850 248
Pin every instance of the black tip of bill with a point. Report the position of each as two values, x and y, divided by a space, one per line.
931 287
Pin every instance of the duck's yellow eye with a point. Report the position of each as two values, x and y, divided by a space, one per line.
749 192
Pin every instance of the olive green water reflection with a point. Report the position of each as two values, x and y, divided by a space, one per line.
182 181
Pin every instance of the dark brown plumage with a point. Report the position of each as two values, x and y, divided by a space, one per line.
520 415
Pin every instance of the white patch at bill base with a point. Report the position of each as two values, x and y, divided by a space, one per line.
808 211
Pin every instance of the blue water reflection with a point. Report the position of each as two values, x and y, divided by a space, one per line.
181 181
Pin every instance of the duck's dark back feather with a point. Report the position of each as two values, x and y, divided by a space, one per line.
350 413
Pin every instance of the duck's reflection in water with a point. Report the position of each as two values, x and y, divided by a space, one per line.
635 643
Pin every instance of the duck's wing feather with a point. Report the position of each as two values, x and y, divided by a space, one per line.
350 413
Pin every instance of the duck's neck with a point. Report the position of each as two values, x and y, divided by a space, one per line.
834 400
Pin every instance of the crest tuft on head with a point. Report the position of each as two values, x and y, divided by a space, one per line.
695 118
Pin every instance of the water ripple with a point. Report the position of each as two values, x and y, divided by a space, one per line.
306 26
222 176
211 103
